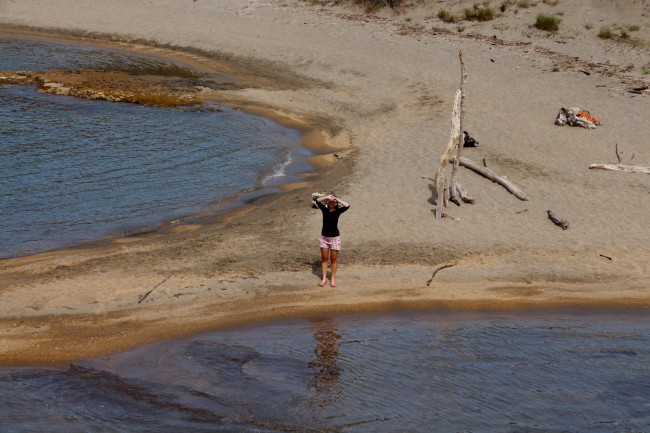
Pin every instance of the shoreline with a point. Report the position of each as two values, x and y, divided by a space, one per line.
312 132
260 262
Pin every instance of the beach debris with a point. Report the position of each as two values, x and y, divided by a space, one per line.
435 271
143 297
521 211
501 180
315 196
640 90
622 167
558 221
607 257
575 116
468 140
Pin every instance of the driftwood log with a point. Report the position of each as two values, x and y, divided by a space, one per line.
486 172
622 167
558 221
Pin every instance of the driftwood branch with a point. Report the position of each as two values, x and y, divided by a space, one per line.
486 172
143 297
435 271
622 167
558 221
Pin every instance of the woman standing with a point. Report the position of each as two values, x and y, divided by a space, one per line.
330 239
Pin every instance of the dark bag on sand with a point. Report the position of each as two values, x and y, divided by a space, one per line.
469 141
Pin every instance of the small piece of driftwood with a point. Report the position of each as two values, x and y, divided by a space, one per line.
622 167
435 271
143 297
558 221
486 172
463 194
607 257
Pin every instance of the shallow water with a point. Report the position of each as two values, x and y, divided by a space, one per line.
75 170
444 372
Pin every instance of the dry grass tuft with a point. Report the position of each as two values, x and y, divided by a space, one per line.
549 23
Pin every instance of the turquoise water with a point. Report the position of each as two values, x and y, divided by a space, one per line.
436 372
75 170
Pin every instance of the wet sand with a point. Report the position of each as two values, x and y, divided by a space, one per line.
380 98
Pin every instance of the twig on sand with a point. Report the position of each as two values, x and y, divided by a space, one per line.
143 297
448 265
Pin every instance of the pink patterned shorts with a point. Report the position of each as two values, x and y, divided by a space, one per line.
333 243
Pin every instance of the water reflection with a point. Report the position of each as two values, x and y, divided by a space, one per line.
443 372
327 371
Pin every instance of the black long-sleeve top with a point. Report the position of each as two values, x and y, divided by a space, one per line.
331 220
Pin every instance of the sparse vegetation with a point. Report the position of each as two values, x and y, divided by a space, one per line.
556 68
633 28
605 33
374 5
479 13
549 23
646 69
552 2
525 4
447 16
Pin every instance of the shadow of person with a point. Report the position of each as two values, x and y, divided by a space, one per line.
325 366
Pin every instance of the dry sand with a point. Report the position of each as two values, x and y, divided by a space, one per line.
378 91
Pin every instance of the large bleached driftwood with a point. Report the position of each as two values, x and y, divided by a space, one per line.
453 184
439 178
486 172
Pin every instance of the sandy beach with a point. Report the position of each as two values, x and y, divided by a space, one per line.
376 90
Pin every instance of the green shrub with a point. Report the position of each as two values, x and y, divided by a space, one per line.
633 28
446 16
556 68
549 23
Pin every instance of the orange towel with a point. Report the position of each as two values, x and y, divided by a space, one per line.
589 117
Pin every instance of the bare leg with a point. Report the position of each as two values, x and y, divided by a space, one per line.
324 252
334 254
